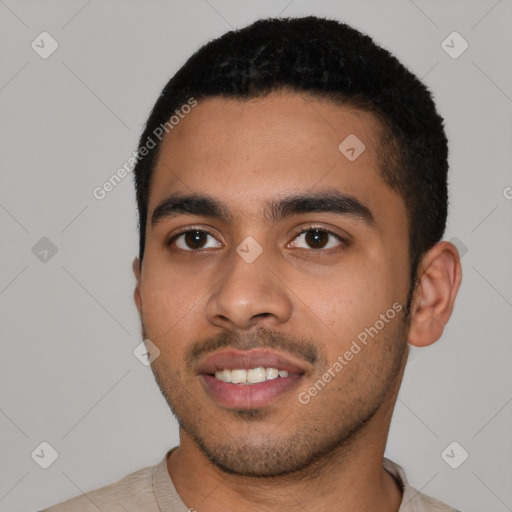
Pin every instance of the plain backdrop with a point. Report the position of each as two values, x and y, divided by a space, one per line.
68 373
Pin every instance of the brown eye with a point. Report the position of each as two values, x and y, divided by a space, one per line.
317 239
194 240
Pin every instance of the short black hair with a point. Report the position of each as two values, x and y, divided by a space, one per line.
329 60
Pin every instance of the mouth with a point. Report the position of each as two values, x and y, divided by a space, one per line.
251 376
251 379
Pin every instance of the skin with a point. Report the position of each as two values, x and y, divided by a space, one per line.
327 454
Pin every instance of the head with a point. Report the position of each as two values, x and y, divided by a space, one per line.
309 168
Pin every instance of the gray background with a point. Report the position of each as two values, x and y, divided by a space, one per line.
69 327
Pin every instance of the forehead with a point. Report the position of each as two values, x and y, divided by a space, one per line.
244 152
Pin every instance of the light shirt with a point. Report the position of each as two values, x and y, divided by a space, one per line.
151 490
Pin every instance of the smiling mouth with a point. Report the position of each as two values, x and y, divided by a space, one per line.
250 376
253 379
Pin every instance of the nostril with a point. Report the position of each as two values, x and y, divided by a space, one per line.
264 315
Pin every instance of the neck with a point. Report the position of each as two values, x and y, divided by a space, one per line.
350 478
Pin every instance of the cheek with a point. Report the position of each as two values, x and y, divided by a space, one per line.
345 303
169 297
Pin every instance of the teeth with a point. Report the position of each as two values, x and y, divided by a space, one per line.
238 376
252 376
224 375
256 375
272 373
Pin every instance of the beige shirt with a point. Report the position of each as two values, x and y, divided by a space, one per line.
151 490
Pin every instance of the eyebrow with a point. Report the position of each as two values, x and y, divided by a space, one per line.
327 201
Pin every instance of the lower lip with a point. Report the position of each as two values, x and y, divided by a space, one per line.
248 396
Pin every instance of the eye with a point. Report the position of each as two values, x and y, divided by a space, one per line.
318 239
194 239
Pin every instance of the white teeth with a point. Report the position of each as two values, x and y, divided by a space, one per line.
272 373
256 375
224 375
227 375
252 376
238 376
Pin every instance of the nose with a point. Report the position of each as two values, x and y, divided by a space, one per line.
249 294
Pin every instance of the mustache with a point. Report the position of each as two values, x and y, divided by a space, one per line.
261 338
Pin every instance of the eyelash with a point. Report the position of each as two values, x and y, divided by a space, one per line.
344 242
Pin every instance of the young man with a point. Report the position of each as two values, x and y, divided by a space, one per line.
292 191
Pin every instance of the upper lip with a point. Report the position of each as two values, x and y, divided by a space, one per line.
255 358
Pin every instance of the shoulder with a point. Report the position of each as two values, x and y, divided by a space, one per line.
413 500
424 503
135 488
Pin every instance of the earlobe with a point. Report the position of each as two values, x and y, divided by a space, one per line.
136 272
439 277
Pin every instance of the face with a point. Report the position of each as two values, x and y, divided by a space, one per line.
289 268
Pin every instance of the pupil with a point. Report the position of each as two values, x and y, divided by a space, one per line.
316 238
195 239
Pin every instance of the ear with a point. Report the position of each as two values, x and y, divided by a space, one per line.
136 267
439 277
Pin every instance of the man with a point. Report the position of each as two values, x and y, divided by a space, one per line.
292 192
